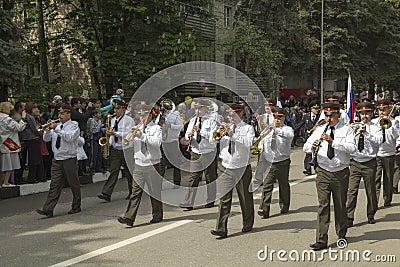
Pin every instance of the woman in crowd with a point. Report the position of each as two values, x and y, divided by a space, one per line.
9 142
31 137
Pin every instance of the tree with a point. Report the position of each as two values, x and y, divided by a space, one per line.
125 42
11 51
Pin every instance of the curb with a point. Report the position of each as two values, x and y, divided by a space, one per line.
29 189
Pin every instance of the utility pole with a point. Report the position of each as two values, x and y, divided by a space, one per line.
322 51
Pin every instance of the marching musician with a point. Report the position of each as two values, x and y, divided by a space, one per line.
276 154
64 143
120 126
333 143
170 143
363 163
310 120
147 156
235 155
386 153
203 149
266 119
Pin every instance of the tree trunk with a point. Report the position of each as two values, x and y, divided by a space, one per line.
44 67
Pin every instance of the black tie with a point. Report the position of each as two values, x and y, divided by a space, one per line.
268 119
58 142
313 118
116 128
273 142
231 148
143 147
384 135
198 137
361 142
331 151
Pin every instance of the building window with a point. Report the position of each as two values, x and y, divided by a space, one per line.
227 16
228 62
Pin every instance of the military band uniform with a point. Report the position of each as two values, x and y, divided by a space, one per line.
277 151
170 143
332 178
64 165
117 158
147 171
203 159
385 162
363 166
237 173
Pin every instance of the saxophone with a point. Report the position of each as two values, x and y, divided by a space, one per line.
104 141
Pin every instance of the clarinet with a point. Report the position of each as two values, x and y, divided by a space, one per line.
190 138
314 161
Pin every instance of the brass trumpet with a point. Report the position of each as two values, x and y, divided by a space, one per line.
44 127
222 131
385 122
129 137
256 147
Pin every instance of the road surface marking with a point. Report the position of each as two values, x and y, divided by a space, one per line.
121 244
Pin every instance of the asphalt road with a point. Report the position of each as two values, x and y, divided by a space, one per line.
95 238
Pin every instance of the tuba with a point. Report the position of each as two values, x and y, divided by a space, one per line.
104 141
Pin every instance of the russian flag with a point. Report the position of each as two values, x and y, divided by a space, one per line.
351 104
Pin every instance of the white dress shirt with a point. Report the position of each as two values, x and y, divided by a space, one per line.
151 139
388 148
124 128
372 139
69 140
283 137
242 138
343 145
174 119
207 143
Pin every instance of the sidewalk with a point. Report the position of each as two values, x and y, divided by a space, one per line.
28 189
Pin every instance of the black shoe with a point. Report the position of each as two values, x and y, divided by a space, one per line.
47 213
395 190
264 215
307 172
318 246
284 211
220 234
155 220
186 206
104 197
209 205
387 204
247 229
350 222
126 221
128 197
371 220
74 211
